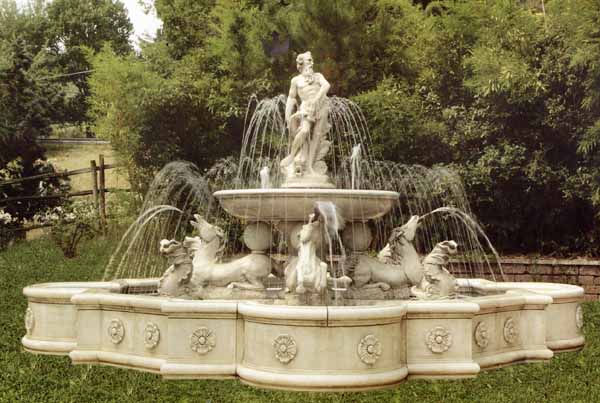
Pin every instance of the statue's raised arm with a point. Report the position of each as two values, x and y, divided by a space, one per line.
308 126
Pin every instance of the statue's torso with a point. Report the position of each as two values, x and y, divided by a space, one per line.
306 90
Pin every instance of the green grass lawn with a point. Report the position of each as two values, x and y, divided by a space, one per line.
24 377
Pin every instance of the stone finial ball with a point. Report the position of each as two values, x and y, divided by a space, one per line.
257 236
357 236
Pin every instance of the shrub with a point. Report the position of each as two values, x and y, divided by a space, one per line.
8 225
24 210
71 223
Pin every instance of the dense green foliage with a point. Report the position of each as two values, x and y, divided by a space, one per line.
569 377
502 95
26 109
507 94
41 44
59 37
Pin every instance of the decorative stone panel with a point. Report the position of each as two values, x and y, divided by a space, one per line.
151 335
369 349
482 338
511 331
438 339
579 317
116 331
285 348
29 320
203 340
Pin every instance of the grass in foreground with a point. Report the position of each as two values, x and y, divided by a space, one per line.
24 377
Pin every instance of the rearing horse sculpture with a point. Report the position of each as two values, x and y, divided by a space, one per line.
246 273
398 264
308 272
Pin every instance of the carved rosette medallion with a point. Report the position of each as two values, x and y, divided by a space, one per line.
369 349
482 338
438 339
285 348
579 317
151 335
203 340
116 331
29 320
511 331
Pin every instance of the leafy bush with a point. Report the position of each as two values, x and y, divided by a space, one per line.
504 94
8 225
403 124
70 224
24 210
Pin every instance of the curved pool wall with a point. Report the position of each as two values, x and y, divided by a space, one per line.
373 345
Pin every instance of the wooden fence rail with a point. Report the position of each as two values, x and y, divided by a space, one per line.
60 174
98 191
57 195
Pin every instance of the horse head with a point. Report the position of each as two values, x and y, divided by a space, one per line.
440 255
310 232
401 239
169 246
406 232
206 231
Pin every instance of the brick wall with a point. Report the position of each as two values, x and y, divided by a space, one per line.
585 273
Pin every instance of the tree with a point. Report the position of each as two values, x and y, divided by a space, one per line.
89 23
499 91
26 110
77 29
25 105
186 24
28 22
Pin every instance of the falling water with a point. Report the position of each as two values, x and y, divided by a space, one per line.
133 234
265 181
266 140
355 165
180 190
334 223
177 192
474 228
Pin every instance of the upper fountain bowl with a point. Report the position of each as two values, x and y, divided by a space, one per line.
296 204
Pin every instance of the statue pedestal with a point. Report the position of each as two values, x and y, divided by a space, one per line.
314 181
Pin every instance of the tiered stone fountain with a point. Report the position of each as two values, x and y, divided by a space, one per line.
347 320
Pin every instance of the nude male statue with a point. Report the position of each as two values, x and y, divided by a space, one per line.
309 124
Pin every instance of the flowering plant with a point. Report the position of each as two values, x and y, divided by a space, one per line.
25 209
70 223
7 225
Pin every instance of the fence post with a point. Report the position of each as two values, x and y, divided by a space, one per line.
94 183
102 193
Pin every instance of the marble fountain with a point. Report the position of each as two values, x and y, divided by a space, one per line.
326 299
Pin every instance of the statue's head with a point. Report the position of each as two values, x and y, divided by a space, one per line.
206 231
168 246
303 61
440 255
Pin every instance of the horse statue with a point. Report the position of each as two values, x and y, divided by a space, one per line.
175 280
247 273
308 272
398 264
437 281
196 264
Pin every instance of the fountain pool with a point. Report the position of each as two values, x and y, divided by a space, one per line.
311 266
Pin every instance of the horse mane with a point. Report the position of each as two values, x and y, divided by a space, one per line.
394 241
